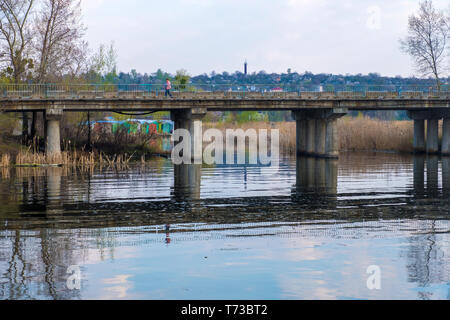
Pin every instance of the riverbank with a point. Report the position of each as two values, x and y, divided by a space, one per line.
355 134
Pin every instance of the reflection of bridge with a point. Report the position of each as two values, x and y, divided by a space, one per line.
316 112
314 194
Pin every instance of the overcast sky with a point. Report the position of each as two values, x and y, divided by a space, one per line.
329 36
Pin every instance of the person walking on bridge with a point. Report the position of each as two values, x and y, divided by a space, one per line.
168 88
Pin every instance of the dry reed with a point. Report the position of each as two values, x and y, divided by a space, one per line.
355 134
74 158
5 161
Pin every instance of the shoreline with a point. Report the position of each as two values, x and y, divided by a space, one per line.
360 134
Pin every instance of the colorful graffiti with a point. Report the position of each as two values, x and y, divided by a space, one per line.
161 129
134 126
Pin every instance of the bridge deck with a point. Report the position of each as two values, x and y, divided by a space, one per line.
138 100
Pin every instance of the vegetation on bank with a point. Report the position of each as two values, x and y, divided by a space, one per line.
355 134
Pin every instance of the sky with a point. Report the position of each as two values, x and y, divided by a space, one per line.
200 36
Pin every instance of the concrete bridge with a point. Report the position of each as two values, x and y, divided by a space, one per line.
316 112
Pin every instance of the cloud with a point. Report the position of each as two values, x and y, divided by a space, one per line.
204 35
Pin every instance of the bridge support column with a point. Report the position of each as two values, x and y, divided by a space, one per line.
52 132
432 141
301 131
432 136
321 128
191 120
419 136
317 133
446 137
332 139
310 137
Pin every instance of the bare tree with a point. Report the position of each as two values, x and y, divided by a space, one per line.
428 34
15 44
58 43
15 37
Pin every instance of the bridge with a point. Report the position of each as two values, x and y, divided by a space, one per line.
316 110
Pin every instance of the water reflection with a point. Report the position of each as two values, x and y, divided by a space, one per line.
187 182
317 175
307 229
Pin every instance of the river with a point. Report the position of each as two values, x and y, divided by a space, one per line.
306 229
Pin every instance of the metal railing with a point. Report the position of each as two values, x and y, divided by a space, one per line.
220 91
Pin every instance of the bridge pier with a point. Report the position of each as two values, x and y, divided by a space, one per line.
321 129
310 137
317 133
332 138
301 133
433 136
430 145
446 137
419 136
53 132
191 120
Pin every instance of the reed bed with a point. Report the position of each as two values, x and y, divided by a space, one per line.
5 161
73 158
362 134
355 134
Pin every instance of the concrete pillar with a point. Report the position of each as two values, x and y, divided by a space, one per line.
419 136
321 126
310 136
432 136
191 120
332 139
446 137
301 132
53 135
317 133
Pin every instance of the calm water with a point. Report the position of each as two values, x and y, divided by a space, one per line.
308 229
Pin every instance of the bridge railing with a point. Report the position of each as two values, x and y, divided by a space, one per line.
192 91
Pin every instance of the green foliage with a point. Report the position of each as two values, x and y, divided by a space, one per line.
161 76
249 116
8 122
182 79
104 65
161 115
